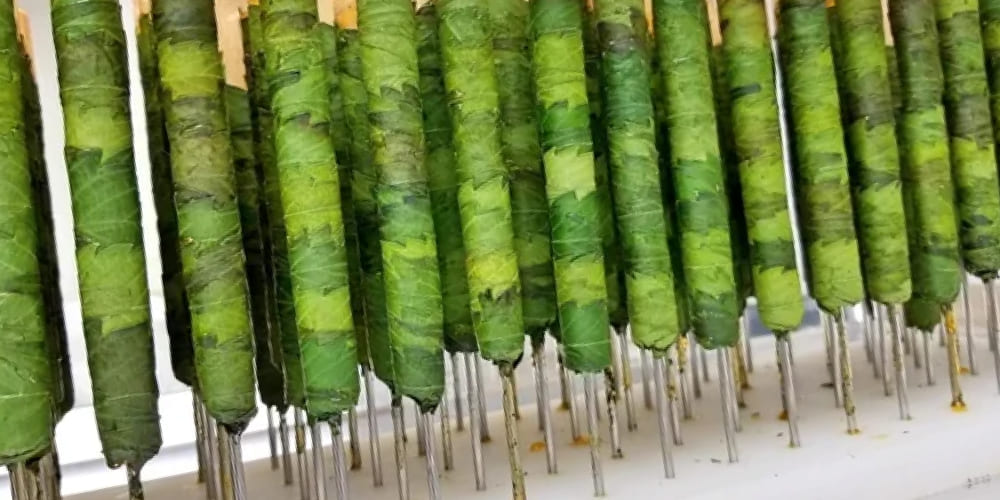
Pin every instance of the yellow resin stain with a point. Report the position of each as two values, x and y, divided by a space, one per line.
783 416
853 432
536 447
959 406
583 440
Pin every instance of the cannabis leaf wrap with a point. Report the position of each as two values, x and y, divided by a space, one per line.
207 214
25 371
874 157
484 189
310 201
635 181
409 252
442 178
973 160
522 153
926 166
703 212
111 264
757 140
822 184
564 116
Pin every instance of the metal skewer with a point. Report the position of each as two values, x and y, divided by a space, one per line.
421 444
687 405
672 406
695 366
967 311
433 480
272 438
544 407
928 364
375 447
318 463
788 396
213 482
896 323
880 319
631 422
475 423
355 441
517 402
48 469
659 369
446 444
647 395
726 392
846 374
747 345
703 354
134 484
339 466
481 394
917 355
954 363
286 456
399 444
300 455
231 465
733 401
510 423
574 420
611 397
199 429
833 360
994 329
456 375
590 395
20 482
874 352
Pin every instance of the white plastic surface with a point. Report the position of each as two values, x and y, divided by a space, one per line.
939 454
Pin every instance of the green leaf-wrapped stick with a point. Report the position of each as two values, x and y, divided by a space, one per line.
207 213
926 166
973 160
342 144
310 199
25 370
363 182
989 12
470 78
522 152
442 177
703 213
248 195
667 192
874 157
93 78
613 276
409 252
757 141
731 172
287 346
634 162
175 298
822 184
48 261
268 355
564 115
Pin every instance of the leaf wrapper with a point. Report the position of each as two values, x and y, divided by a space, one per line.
522 152
409 252
207 213
873 153
635 181
111 263
750 89
574 207
681 28
926 166
310 200
820 170
25 371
